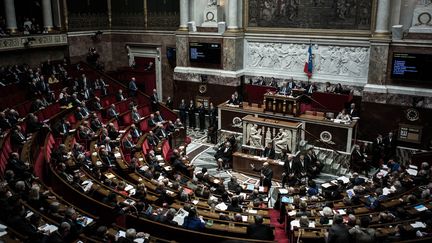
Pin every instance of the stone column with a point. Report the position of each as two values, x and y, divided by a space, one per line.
383 18
184 14
232 15
47 14
10 15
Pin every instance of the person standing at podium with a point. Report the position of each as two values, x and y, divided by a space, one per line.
266 174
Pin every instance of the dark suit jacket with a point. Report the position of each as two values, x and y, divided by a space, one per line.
338 233
260 232
269 153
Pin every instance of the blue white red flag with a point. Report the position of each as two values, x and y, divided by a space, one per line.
308 68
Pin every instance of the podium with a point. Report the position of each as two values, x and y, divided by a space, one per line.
287 105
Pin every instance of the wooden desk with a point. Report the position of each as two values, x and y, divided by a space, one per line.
241 163
342 135
283 104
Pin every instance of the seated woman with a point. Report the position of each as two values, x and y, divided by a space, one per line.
343 115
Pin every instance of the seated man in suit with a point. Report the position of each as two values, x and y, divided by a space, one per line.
160 132
112 112
135 132
119 95
260 231
158 117
128 144
152 121
17 137
21 169
152 139
224 156
95 123
96 105
135 116
269 151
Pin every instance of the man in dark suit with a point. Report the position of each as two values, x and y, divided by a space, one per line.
269 151
182 111
17 137
260 231
301 167
352 111
358 161
389 146
288 174
314 166
119 95
112 112
95 123
201 116
191 114
151 121
152 139
132 87
266 174
154 101
377 150
4 122
212 112
338 232
224 155
169 103
128 144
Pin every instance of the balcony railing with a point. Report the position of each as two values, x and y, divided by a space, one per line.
32 41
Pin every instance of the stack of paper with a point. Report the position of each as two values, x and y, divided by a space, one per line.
221 206
48 227
244 218
344 179
418 224
326 185
412 172
252 211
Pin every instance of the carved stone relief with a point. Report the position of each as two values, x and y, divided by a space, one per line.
341 61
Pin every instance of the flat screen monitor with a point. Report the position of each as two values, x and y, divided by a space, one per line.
205 53
412 67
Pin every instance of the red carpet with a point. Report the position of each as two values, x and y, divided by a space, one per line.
280 235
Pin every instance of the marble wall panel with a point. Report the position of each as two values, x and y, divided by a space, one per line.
379 55
182 51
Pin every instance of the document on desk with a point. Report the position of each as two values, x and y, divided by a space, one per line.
344 179
418 224
221 206
326 185
412 172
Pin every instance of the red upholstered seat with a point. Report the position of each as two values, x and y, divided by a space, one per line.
127 120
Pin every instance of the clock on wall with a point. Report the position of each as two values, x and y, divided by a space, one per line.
412 114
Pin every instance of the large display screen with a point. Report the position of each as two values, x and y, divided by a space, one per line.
415 67
205 53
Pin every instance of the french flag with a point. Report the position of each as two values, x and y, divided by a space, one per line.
308 67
